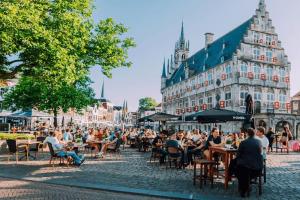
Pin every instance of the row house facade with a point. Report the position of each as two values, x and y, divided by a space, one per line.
248 60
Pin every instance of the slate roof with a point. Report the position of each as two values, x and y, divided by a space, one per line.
211 56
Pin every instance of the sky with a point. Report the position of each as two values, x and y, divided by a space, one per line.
155 26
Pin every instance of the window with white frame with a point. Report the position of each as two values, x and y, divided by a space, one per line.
243 94
270 98
257 94
228 99
282 99
269 56
244 70
201 101
256 54
268 40
282 74
209 102
269 73
210 79
186 104
256 69
228 71
256 37
193 103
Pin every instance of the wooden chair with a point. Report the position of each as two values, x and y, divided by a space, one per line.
15 149
155 155
116 150
206 171
55 156
257 181
265 170
37 147
174 155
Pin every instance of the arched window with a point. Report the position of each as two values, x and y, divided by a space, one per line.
183 56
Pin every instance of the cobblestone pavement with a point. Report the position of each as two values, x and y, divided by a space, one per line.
134 171
16 189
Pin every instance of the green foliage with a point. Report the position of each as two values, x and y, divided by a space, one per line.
58 40
33 92
147 103
11 136
52 45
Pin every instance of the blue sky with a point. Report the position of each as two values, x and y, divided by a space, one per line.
155 26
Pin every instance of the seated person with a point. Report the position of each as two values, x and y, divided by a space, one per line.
260 134
196 136
173 142
213 140
92 138
197 149
241 136
59 149
109 143
158 146
249 162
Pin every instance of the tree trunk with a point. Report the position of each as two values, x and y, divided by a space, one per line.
55 118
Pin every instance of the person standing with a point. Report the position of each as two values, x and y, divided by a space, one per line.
270 135
249 162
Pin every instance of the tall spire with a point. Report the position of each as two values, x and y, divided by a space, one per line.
169 70
262 6
102 92
182 33
126 107
171 65
163 75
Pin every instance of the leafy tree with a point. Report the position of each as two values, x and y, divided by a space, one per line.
59 39
31 92
51 45
147 103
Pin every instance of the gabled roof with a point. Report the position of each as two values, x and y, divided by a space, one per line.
213 55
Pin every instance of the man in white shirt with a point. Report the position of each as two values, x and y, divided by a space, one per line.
260 134
59 148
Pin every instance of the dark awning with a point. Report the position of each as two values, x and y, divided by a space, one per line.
163 117
217 116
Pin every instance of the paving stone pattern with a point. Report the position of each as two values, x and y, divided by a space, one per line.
133 170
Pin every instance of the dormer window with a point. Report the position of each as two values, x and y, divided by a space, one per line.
222 59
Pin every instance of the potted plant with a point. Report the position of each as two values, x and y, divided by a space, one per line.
14 136
228 143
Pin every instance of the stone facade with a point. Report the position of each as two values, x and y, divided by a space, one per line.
247 60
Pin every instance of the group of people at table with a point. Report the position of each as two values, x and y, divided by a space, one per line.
99 140
252 147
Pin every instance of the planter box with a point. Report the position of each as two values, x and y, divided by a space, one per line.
3 147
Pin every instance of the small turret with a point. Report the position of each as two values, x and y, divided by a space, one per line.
164 75
102 92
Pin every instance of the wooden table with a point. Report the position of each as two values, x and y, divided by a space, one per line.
27 144
227 154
